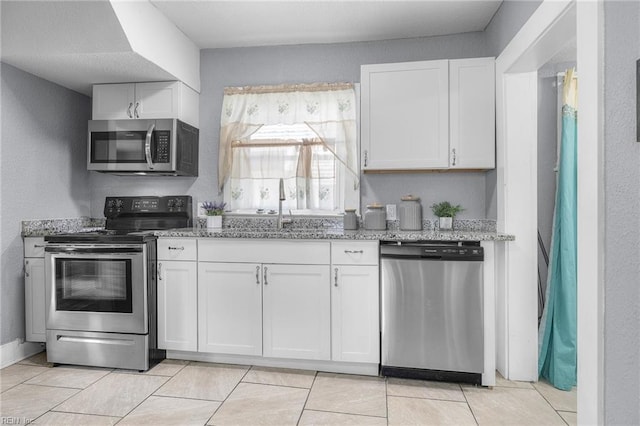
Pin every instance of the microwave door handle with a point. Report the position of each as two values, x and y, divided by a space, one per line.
147 146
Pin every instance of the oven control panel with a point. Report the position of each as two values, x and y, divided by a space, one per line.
140 206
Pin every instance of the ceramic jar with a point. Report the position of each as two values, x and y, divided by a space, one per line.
375 218
350 220
410 213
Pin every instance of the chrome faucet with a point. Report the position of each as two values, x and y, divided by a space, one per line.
281 198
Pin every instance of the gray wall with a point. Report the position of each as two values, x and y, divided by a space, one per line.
311 63
43 173
505 24
622 223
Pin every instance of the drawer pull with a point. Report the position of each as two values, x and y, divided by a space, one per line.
176 248
354 251
38 245
335 277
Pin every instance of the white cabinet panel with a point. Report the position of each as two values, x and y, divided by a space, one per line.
354 252
405 122
230 308
177 305
113 101
472 113
255 251
149 100
177 249
355 335
158 100
34 247
35 302
296 322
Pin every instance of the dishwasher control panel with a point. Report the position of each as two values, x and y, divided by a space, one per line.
450 250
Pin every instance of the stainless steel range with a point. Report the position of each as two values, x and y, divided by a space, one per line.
101 286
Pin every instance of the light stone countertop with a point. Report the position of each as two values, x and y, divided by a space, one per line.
335 234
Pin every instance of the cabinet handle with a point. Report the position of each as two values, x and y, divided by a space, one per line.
26 271
335 277
354 251
38 245
176 248
264 276
129 110
366 157
258 274
135 110
159 271
453 151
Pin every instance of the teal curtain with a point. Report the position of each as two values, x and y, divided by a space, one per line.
557 334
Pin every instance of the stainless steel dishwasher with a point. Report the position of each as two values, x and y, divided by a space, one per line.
432 310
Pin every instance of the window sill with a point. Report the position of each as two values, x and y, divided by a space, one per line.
285 213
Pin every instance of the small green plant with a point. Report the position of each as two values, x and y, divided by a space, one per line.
445 209
213 208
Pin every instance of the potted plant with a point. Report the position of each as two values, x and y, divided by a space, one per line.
445 212
214 212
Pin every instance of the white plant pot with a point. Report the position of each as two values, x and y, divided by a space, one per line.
214 221
445 223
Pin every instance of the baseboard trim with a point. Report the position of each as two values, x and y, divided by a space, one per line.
365 369
15 351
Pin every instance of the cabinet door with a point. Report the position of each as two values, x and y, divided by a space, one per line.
35 303
177 306
230 308
355 335
113 101
296 322
472 113
405 115
157 100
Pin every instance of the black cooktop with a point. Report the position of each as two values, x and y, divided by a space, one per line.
133 220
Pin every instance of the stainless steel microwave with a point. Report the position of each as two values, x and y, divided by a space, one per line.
143 147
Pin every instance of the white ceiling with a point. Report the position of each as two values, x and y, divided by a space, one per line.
80 43
216 24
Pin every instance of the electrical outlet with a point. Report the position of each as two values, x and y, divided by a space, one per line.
200 211
391 212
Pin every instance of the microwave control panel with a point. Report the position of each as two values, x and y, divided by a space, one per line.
162 147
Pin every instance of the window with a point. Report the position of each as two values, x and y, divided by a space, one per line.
304 134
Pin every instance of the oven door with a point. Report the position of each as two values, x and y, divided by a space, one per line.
100 287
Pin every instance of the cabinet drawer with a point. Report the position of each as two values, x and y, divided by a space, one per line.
260 251
177 249
354 253
34 247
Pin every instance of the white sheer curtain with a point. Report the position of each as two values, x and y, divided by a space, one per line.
313 157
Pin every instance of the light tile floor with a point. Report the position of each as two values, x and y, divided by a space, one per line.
196 393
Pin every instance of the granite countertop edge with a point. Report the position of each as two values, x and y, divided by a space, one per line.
336 234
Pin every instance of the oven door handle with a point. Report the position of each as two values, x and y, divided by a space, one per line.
94 250
147 146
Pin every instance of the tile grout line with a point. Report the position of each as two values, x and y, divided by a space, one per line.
147 397
550 404
229 394
313 382
386 397
469 405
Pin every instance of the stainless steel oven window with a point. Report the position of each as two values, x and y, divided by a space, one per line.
96 285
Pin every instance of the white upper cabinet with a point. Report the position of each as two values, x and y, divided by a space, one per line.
472 131
155 100
428 115
405 121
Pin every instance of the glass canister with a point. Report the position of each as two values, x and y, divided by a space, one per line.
410 213
375 218
350 220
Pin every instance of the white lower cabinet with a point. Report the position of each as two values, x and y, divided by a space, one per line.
177 294
296 321
34 293
177 305
355 301
230 308
355 327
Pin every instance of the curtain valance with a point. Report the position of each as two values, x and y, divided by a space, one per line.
329 109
